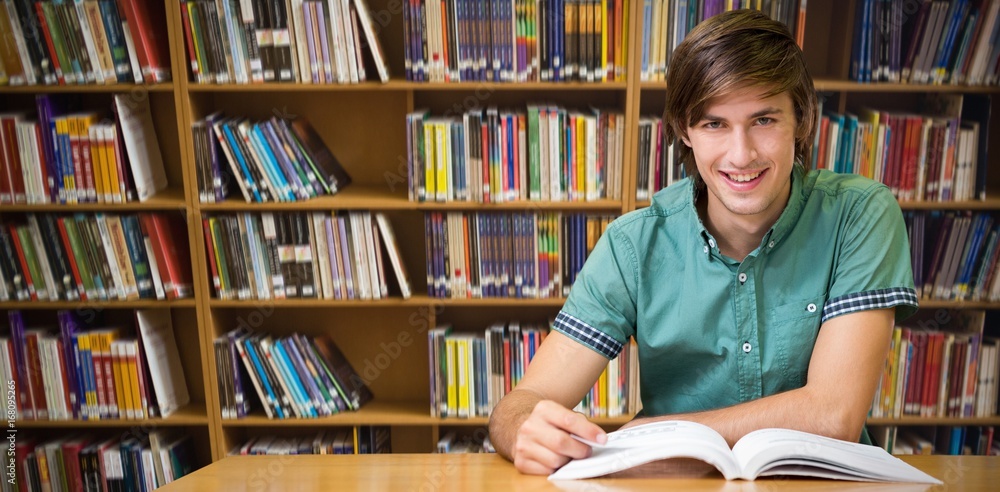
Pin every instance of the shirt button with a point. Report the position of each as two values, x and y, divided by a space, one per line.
743 278
811 308
711 242
770 244
706 249
747 347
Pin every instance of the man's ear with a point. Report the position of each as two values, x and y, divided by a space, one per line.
686 141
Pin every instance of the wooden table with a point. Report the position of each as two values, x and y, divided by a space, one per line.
474 472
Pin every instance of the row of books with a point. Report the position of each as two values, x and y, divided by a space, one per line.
490 156
939 365
275 160
935 42
954 255
525 255
656 164
82 42
667 22
515 40
256 41
138 461
69 155
470 373
942 439
452 442
318 255
362 439
94 372
939 154
293 377
51 257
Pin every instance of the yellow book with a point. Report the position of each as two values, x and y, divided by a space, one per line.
223 286
120 389
621 44
354 437
580 156
132 367
95 160
117 187
451 367
442 155
430 180
462 368
200 65
116 236
602 394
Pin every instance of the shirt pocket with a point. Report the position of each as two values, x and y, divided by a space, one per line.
793 328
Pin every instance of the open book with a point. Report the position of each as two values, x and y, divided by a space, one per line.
765 452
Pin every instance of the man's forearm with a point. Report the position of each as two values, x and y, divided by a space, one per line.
507 418
799 409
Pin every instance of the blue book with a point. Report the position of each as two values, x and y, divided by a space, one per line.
116 40
956 16
137 252
88 368
305 347
276 152
311 384
269 163
47 107
301 159
241 160
272 398
647 8
560 40
292 380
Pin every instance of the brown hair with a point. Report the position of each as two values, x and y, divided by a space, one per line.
730 51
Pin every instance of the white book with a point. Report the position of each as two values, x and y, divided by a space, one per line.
372 38
765 452
163 359
142 145
392 248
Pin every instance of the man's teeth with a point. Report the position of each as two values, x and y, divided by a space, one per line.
743 177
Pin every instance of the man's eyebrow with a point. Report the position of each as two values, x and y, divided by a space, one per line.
757 114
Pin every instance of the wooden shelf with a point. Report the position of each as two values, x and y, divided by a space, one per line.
191 415
831 85
403 85
139 304
353 197
171 198
938 304
608 205
88 88
987 204
912 421
379 412
413 301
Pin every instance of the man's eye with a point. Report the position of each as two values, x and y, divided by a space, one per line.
764 120
711 125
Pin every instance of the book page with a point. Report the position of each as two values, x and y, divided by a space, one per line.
650 442
789 452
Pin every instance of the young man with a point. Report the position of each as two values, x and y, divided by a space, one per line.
759 295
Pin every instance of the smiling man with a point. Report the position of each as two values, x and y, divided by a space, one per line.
759 294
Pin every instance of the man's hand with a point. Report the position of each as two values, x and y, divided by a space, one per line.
543 442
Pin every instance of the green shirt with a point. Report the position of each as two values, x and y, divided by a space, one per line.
713 332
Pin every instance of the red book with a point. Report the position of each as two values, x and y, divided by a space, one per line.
90 189
485 132
15 176
955 378
176 256
147 25
192 55
71 463
210 252
61 354
97 355
44 25
35 374
149 230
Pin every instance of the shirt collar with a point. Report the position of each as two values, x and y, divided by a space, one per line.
788 218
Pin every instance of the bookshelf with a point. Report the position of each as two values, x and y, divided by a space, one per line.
363 125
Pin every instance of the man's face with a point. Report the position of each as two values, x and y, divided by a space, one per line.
744 147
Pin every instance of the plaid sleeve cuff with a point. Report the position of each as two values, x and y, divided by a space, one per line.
873 299
587 335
